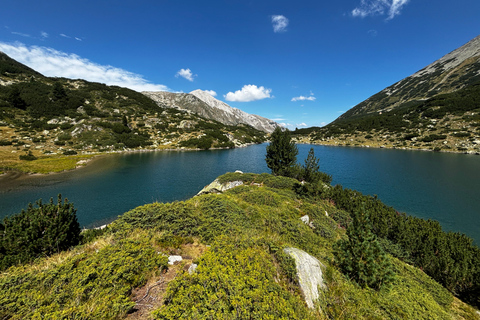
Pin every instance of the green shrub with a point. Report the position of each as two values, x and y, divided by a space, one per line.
232 281
28 157
361 257
38 231
85 285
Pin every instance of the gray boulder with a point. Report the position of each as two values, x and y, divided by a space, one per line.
217 187
309 273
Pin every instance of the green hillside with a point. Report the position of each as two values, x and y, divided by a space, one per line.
437 108
42 118
447 122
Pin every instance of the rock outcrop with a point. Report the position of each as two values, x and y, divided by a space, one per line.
206 106
217 187
309 273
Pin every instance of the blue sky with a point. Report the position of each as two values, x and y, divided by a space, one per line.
301 63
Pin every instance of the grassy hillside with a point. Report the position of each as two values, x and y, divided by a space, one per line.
236 238
41 117
448 122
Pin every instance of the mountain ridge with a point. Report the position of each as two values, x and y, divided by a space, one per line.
436 109
211 108
450 73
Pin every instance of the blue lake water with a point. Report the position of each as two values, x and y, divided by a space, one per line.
440 186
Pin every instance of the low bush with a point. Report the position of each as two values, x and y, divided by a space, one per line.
38 231
85 285
232 281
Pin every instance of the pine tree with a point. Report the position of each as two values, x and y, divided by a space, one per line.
15 99
360 256
281 153
311 167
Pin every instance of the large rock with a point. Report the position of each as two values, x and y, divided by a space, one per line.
217 187
309 273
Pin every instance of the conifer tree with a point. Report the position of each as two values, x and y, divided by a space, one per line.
311 167
15 99
281 153
360 256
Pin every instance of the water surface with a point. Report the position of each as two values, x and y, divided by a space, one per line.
439 186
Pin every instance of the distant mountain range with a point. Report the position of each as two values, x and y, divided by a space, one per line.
437 108
205 105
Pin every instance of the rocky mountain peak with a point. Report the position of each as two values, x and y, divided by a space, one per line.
205 105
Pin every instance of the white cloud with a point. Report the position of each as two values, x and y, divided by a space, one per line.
391 8
249 92
185 73
303 98
54 63
43 34
64 35
21 34
280 23
211 92
78 39
303 124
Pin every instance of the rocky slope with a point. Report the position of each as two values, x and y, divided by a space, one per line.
450 73
205 105
437 108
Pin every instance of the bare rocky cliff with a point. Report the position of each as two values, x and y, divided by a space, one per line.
203 104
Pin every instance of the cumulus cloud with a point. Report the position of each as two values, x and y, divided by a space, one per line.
211 92
303 124
303 98
391 8
54 63
280 23
185 73
249 92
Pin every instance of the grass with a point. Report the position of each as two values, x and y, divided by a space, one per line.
44 164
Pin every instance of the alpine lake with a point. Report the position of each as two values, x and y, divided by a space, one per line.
430 185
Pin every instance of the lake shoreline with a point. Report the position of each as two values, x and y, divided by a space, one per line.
10 175
388 147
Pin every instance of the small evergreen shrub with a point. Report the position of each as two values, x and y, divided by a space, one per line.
41 230
361 257
28 157
232 281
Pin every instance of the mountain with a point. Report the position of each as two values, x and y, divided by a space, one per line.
456 70
205 105
42 116
12 68
437 108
